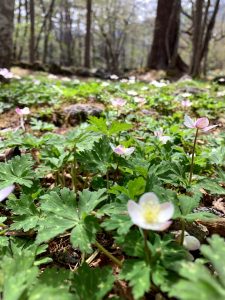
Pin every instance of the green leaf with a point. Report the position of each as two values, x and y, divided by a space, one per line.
212 186
117 127
132 244
200 216
121 223
198 283
89 200
187 204
84 234
19 274
215 252
62 204
17 170
91 283
136 187
138 275
98 158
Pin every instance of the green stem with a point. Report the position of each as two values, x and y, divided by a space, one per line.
193 156
182 231
147 252
74 170
108 254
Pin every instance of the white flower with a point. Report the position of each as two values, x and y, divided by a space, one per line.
124 80
163 138
140 100
220 94
149 213
114 77
4 193
144 88
24 111
186 103
105 84
158 84
132 93
6 73
186 95
52 76
121 150
191 243
201 123
118 102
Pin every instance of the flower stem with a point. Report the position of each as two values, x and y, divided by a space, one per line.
192 157
108 254
182 231
147 252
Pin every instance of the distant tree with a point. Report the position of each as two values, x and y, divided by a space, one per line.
32 32
6 32
204 17
164 51
87 55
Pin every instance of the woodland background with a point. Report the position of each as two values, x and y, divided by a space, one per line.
114 36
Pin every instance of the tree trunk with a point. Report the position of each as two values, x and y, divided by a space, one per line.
48 30
32 33
164 51
203 24
6 32
17 31
87 56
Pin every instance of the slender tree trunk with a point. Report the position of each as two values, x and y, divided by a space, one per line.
164 50
17 31
6 32
32 33
48 30
203 25
87 55
23 39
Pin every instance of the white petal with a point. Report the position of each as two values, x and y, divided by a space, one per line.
149 198
135 212
129 151
209 127
166 212
188 122
156 226
191 243
164 139
4 193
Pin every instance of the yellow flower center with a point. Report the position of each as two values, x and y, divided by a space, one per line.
151 213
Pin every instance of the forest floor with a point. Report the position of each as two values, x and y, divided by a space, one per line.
83 150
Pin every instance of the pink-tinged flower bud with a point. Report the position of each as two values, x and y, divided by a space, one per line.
118 102
191 243
149 213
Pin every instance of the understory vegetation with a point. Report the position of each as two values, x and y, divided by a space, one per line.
73 224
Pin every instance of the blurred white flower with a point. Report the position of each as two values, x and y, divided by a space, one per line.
158 84
191 243
163 138
4 193
23 111
105 84
121 150
132 93
114 77
186 103
6 73
201 123
118 102
186 95
149 213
